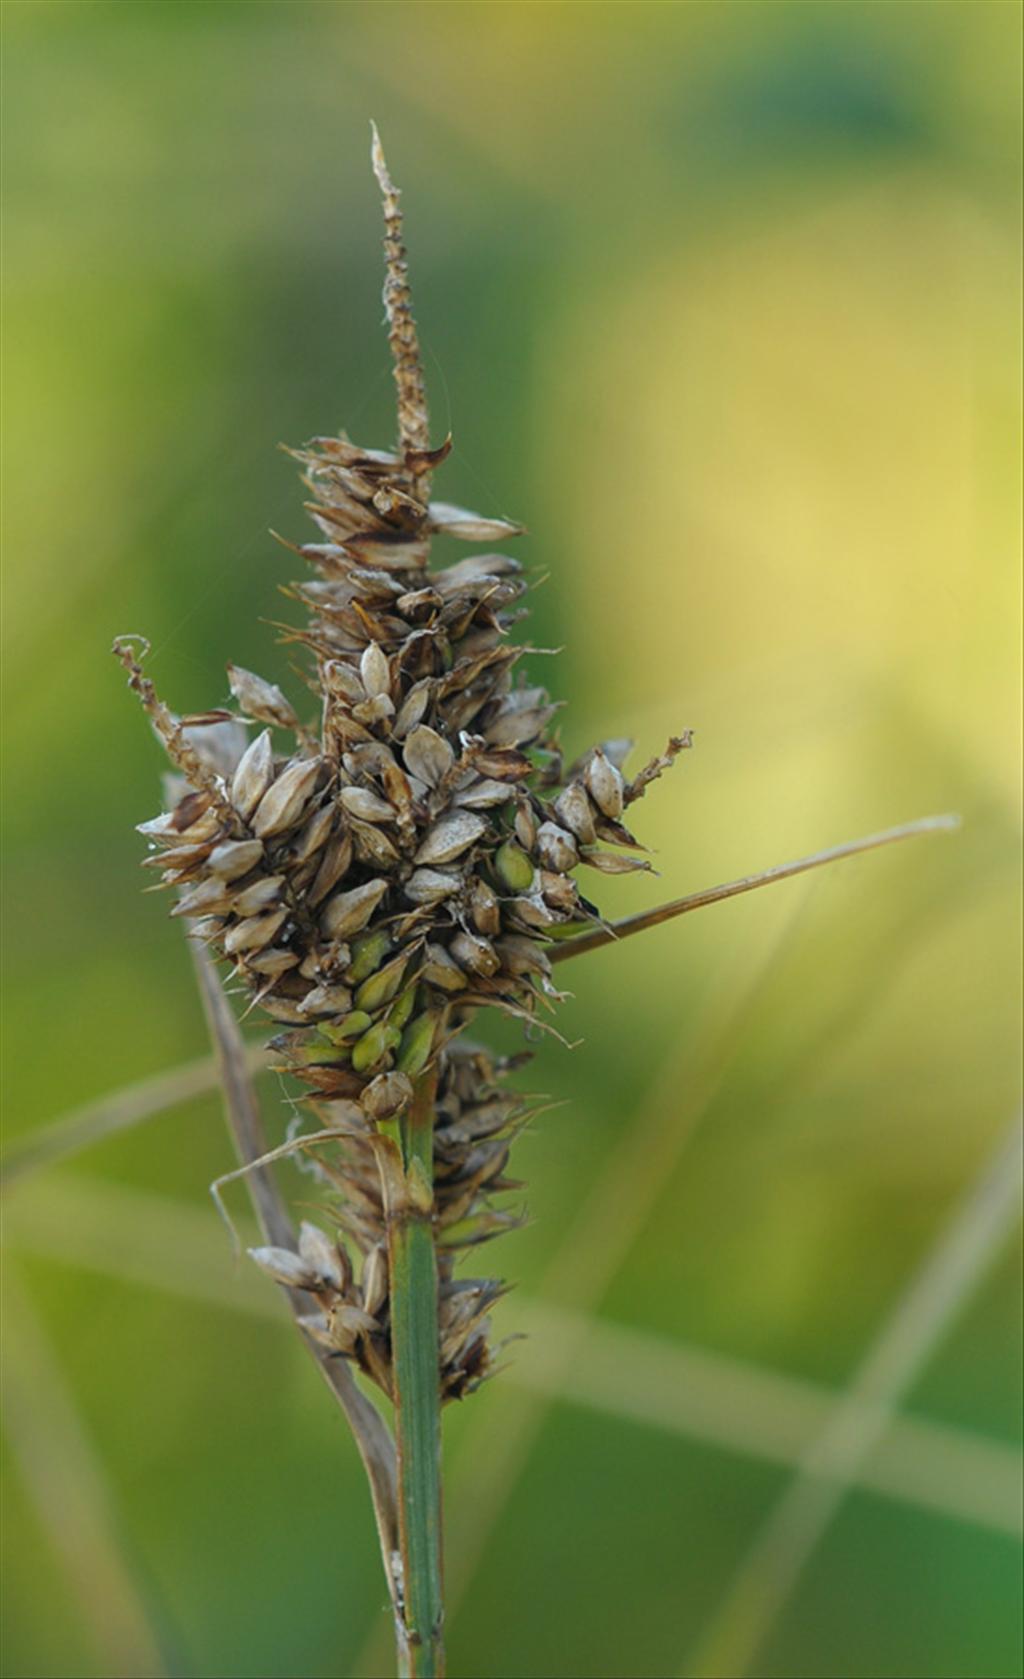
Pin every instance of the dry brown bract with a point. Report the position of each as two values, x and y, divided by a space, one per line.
403 864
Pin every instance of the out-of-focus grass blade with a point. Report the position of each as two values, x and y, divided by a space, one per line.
64 1480
771 1569
118 1111
625 1373
762 1413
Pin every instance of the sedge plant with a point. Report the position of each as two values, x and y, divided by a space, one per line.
377 866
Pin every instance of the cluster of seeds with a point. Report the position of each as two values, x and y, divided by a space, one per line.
400 863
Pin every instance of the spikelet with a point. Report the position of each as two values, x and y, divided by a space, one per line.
405 863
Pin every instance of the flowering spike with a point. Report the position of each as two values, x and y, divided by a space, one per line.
374 887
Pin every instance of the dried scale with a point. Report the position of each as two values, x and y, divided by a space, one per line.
408 859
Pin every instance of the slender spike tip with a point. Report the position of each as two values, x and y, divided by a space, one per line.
413 414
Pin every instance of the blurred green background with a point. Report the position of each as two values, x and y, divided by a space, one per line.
722 300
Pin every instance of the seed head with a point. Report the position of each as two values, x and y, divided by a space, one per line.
399 863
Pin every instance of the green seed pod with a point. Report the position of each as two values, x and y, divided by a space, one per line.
403 1008
374 1045
367 954
351 1025
383 985
417 1043
316 1052
513 867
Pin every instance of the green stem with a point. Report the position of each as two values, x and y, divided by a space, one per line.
415 1357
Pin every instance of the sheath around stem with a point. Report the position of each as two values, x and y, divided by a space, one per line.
408 1192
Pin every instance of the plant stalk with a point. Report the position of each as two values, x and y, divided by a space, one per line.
416 1365
596 937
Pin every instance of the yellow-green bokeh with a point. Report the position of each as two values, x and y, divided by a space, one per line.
722 300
